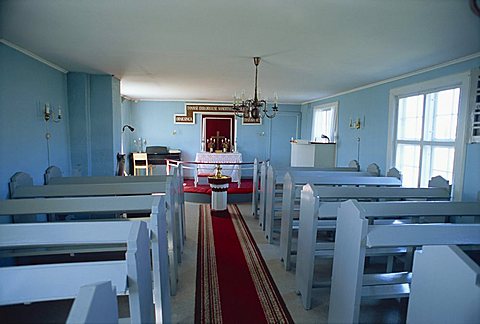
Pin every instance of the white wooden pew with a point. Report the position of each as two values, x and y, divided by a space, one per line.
21 186
43 282
161 240
274 184
352 167
95 303
274 198
315 214
280 172
291 195
53 177
452 295
354 236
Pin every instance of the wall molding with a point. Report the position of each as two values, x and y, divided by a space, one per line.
32 55
402 76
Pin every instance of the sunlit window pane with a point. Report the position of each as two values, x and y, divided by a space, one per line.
443 108
440 163
408 162
410 115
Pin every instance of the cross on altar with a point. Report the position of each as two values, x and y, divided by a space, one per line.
217 140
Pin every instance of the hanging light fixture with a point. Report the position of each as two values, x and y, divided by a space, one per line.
256 107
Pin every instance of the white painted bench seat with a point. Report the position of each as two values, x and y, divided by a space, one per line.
53 176
279 173
274 199
32 283
314 212
21 187
290 201
161 238
354 236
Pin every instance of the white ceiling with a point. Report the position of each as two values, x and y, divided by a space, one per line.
202 50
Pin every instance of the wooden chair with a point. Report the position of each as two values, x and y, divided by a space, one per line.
140 162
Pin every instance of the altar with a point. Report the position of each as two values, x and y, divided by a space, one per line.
231 170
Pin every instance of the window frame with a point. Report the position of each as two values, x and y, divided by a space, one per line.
324 106
460 80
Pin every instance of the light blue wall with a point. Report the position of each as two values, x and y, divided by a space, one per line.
79 107
95 126
373 105
154 121
25 86
105 122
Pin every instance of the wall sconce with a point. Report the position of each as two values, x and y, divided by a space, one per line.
49 113
356 123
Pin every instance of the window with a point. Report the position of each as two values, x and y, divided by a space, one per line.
324 125
427 131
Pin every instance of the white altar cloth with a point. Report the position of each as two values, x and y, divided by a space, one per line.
233 171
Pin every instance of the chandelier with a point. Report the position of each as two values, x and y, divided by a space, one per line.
254 108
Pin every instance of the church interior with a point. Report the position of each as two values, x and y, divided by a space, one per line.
250 162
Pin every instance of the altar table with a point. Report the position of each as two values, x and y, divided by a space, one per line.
233 171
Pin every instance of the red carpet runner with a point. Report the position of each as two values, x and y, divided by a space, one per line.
233 282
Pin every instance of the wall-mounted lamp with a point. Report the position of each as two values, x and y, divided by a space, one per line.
50 114
356 123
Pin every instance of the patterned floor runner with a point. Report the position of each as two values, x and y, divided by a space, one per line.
233 281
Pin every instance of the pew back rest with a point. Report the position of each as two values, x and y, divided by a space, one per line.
111 204
52 172
304 174
83 190
19 179
105 179
379 193
344 180
61 234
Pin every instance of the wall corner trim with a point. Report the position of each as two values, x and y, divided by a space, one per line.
33 55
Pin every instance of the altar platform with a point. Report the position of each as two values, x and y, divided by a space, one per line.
202 192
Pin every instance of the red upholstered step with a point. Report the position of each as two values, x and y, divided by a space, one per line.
235 190
199 189
189 187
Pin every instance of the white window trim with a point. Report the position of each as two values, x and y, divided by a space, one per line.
324 106
461 80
